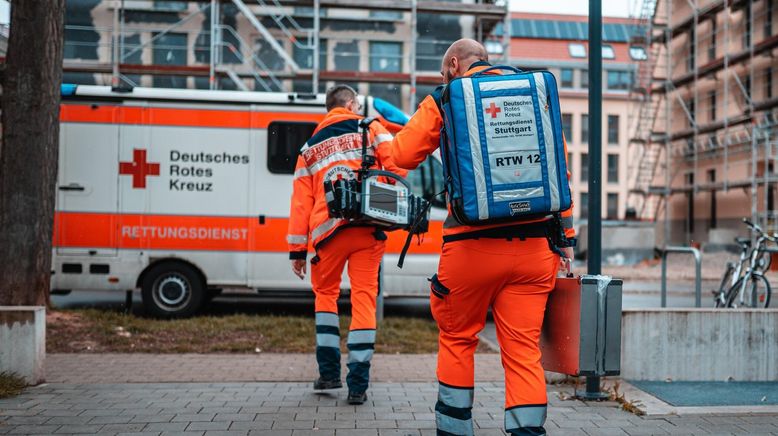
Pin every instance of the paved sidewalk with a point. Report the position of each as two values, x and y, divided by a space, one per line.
75 401
138 368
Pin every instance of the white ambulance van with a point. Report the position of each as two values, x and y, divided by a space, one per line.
184 193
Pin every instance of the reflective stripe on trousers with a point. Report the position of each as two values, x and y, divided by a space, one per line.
328 345
453 411
361 344
526 419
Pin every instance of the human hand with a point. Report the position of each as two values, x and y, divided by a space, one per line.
566 262
298 268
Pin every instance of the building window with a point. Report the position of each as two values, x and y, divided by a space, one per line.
584 128
169 49
584 167
566 77
607 52
619 80
638 53
692 60
768 20
584 206
768 83
613 206
712 106
269 55
390 92
613 168
712 46
585 79
304 56
386 57
613 129
692 113
577 50
567 125
347 56
284 140
569 162
173 6
386 15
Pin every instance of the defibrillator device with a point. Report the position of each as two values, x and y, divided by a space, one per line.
371 199
502 147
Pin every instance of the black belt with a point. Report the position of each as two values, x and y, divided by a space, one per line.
522 231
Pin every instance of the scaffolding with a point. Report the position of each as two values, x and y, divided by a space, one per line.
278 25
707 107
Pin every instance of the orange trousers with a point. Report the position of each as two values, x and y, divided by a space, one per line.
514 278
357 247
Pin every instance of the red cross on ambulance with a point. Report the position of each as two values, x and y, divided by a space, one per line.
138 168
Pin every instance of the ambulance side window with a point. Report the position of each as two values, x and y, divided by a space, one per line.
427 180
284 140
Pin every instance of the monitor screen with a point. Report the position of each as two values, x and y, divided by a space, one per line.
383 199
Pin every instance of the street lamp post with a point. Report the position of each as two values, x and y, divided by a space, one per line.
594 236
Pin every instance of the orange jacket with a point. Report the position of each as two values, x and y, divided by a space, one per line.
421 136
335 149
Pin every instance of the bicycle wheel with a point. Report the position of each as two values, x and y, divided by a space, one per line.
757 293
720 297
733 292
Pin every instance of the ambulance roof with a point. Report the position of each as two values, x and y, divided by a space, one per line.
91 91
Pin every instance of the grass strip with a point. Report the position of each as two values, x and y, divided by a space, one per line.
11 385
91 330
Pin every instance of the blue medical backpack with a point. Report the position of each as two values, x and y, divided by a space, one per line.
502 147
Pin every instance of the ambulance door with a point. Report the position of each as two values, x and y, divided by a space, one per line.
198 208
139 173
274 149
87 188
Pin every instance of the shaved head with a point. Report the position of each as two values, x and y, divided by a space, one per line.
460 56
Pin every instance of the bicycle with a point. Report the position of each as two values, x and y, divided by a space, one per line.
734 290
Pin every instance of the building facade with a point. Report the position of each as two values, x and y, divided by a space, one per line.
384 52
714 95
559 43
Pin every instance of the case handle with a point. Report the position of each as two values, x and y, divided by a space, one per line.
498 67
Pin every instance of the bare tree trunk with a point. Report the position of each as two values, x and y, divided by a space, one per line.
28 162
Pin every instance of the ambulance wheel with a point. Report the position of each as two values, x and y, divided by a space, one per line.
172 290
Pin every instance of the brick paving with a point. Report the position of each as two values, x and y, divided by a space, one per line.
138 368
72 403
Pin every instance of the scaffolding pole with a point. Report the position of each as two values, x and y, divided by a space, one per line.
115 56
412 60
316 48
668 117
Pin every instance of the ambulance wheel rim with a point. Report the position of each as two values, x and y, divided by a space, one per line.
172 292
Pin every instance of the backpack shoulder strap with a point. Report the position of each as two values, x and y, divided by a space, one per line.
437 96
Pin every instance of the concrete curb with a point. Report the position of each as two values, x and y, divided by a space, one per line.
653 406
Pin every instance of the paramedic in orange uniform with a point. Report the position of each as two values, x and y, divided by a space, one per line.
510 267
335 151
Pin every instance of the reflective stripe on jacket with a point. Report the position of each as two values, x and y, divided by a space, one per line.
335 149
421 136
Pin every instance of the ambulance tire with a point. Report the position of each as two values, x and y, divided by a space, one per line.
172 290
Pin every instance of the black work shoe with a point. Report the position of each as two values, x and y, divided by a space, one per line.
320 384
357 398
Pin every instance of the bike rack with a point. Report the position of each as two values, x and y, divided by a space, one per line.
697 272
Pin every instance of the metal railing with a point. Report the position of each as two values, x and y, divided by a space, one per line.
697 272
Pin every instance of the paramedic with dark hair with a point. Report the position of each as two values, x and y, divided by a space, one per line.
509 267
335 151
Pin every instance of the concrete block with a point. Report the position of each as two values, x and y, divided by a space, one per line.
23 341
623 242
700 344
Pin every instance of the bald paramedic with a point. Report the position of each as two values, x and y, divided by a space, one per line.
335 151
510 267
